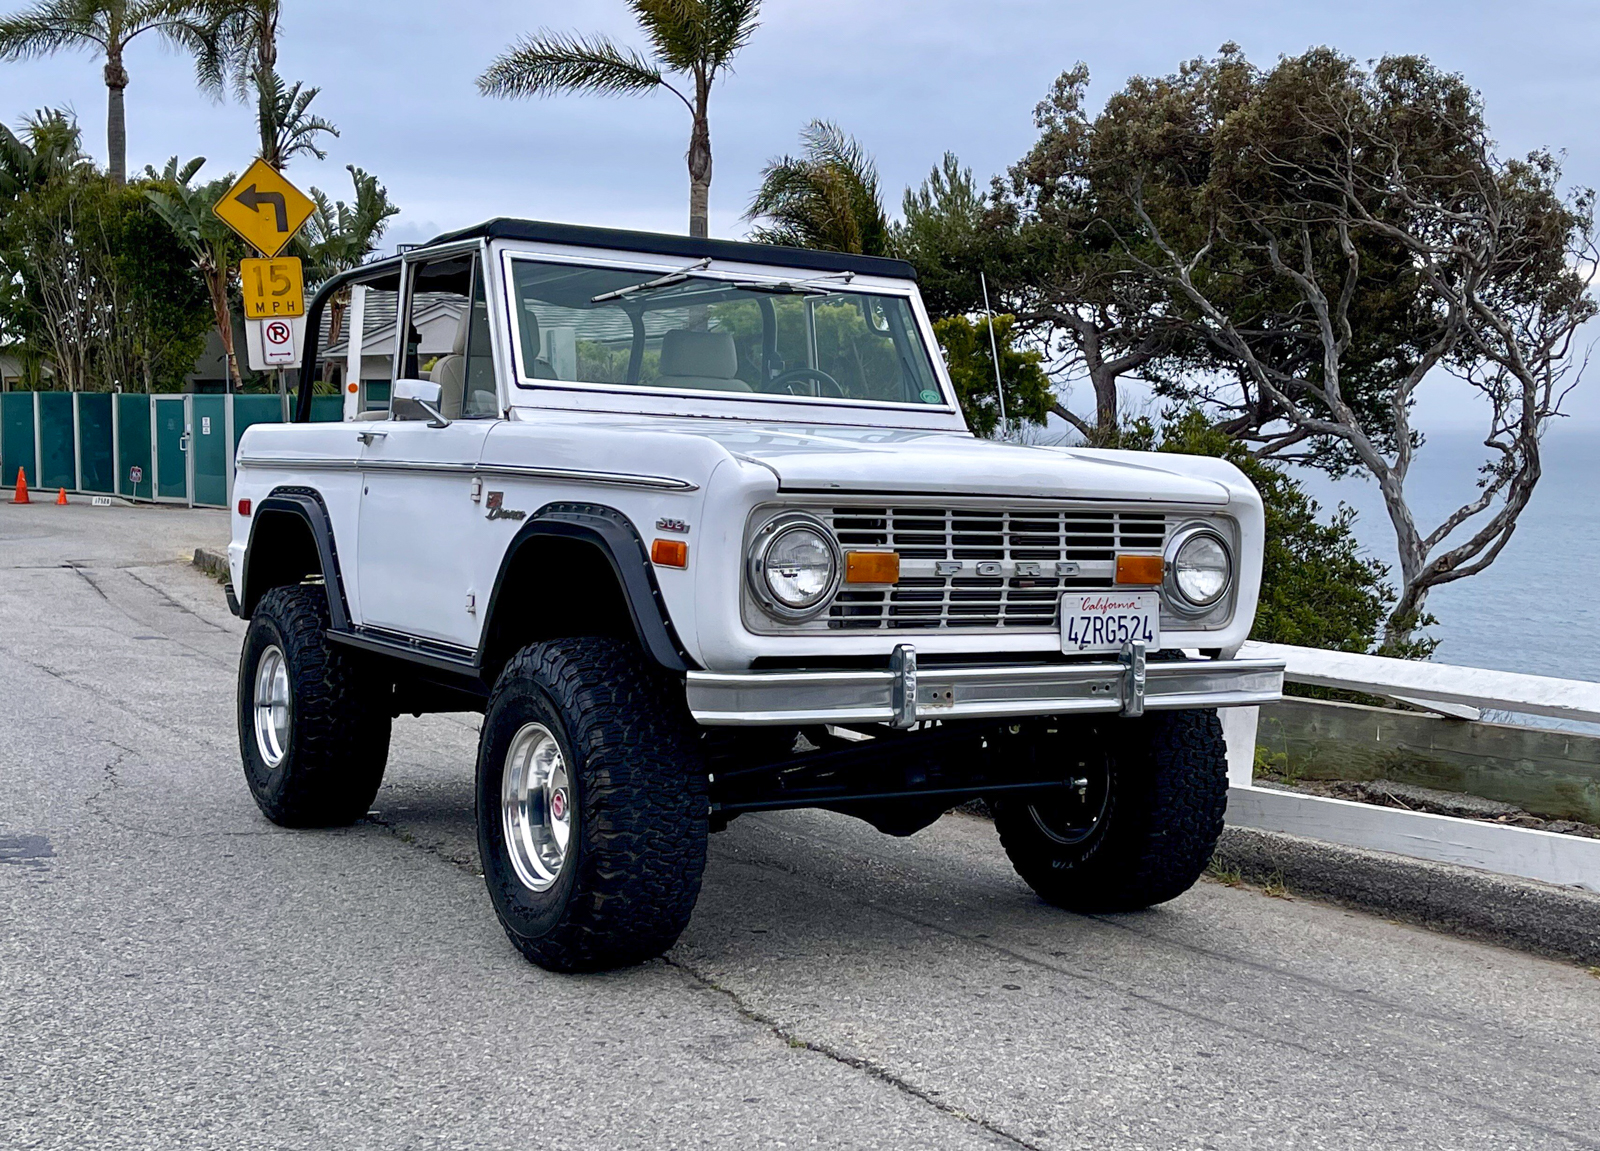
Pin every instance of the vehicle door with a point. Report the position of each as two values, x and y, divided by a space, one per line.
419 505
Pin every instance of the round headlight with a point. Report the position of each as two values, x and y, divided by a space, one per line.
1202 570
797 567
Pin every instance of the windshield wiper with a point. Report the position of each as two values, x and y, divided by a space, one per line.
669 279
786 288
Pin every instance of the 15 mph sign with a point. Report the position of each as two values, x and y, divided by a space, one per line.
264 208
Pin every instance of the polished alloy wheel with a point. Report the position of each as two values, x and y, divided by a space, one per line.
272 706
536 806
1081 808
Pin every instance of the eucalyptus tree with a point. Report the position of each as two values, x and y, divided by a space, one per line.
106 28
693 41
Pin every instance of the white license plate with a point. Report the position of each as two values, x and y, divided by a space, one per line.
1106 621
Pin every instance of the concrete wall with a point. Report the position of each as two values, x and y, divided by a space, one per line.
1550 774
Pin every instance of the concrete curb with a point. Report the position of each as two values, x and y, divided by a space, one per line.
1563 923
214 564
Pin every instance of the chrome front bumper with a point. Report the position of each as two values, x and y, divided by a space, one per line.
904 695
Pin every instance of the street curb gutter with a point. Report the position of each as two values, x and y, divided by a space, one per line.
1563 923
214 564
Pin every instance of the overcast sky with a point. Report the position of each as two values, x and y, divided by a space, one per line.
910 78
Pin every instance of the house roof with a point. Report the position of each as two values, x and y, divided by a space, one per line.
687 247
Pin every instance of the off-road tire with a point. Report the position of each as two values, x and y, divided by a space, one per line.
640 810
338 743
1169 789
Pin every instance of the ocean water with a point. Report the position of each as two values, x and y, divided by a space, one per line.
1536 609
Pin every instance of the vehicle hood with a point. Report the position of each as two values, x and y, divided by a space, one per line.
888 460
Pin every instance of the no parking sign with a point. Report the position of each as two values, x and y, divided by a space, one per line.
274 343
277 342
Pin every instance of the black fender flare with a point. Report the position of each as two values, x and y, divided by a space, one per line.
305 504
615 536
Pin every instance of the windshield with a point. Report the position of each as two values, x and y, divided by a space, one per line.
810 338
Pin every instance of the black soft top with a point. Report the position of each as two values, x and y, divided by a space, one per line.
687 247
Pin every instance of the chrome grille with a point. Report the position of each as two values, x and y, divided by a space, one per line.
1013 565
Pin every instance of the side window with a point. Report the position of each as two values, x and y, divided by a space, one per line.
481 399
377 346
447 338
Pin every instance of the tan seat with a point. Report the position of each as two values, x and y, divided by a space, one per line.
706 361
450 372
532 348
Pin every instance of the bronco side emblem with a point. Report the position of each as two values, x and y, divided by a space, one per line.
495 502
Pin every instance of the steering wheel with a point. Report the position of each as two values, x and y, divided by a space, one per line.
824 380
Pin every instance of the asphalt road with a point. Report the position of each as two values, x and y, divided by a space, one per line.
176 972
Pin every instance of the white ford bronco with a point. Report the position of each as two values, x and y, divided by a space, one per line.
698 528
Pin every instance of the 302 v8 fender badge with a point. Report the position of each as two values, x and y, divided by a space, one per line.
496 503
670 525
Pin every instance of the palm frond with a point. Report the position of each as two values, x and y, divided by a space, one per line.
827 198
729 26
50 27
548 63
675 29
287 127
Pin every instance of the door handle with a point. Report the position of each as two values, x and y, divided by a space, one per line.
183 442
368 437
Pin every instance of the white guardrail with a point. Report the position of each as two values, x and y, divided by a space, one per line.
1567 860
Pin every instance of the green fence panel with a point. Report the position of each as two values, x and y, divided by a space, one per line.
58 455
209 442
94 442
327 409
248 410
172 457
137 481
16 439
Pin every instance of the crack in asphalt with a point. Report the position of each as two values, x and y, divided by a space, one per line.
209 657
399 832
1255 1034
855 1062
183 607
110 782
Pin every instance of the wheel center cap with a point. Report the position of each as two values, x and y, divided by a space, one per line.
558 803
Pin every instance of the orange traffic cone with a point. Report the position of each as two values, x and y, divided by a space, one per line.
61 500
22 488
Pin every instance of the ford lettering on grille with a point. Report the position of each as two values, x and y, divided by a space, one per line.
976 569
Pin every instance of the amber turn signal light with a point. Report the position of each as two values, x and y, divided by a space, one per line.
670 554
872 567
1141 571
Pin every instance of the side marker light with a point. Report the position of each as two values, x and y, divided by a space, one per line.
670 553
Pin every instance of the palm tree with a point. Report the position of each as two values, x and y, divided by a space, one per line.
694 39
340 236
106 27
50 145
243 37
827 198
187 210
287 127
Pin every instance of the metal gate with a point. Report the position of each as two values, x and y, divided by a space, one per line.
166 448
